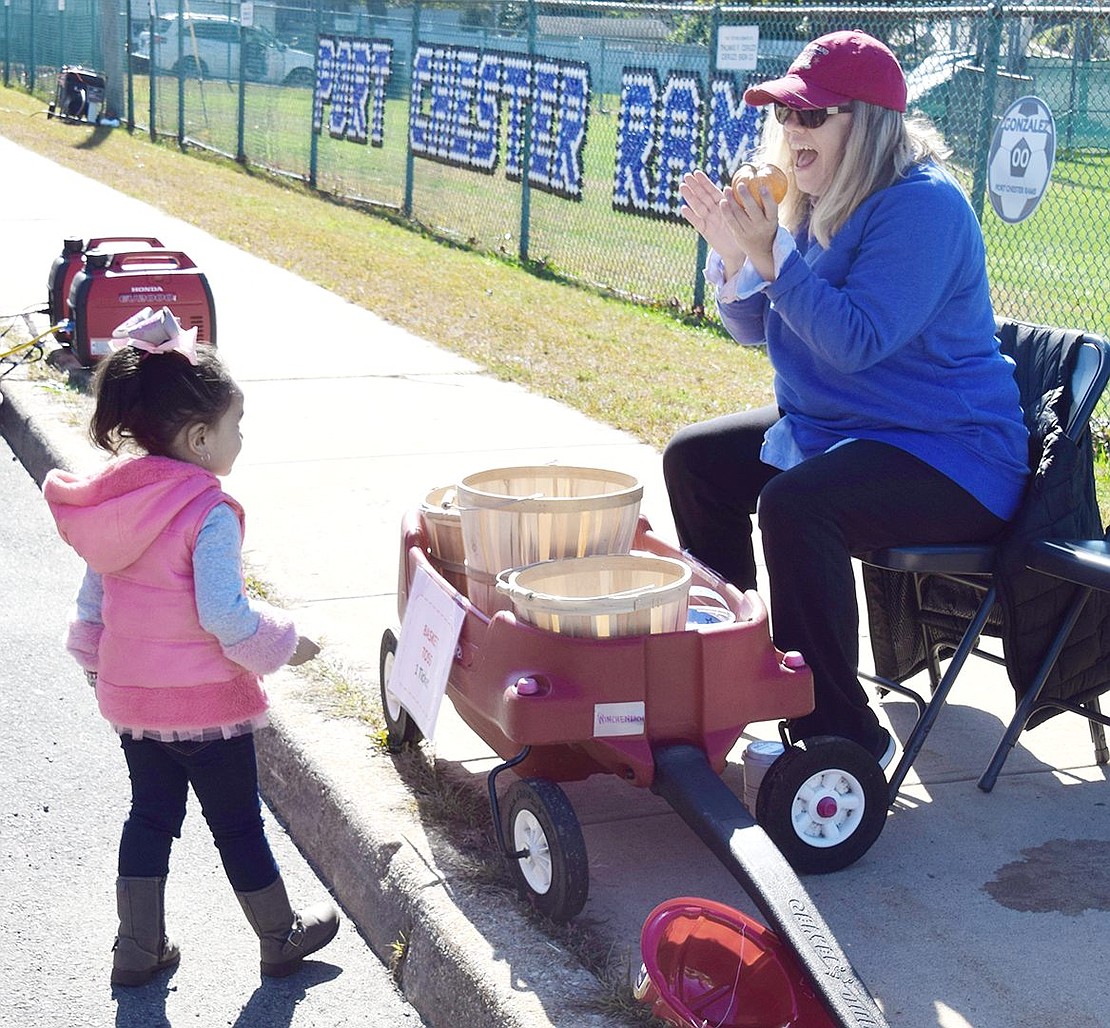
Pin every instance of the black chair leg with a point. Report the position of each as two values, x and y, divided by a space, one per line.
1033 693
925 723
1098 732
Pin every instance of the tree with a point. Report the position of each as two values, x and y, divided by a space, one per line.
111 56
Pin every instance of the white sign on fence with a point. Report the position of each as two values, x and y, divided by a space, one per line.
425 649
1021 157
736 47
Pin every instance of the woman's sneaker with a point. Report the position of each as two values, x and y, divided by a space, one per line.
882 749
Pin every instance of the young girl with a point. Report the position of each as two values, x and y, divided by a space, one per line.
172 643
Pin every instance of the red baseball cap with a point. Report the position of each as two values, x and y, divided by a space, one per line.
835 69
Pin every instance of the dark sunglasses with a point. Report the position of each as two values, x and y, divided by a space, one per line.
809 118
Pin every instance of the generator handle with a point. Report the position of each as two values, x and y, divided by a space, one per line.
158 260
101 240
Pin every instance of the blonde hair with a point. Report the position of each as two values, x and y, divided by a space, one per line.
882 145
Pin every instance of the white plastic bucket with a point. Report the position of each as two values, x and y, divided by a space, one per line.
601 596
708 607
758 756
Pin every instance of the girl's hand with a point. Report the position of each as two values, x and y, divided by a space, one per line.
704 207
305 651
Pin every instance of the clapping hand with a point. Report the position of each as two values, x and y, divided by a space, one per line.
705 206
736 232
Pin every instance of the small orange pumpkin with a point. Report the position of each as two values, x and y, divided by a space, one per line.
750 177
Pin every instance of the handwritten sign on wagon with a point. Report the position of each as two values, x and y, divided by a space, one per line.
425 649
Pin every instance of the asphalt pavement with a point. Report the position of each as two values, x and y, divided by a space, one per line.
970 911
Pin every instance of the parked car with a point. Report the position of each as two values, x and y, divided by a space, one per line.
212 46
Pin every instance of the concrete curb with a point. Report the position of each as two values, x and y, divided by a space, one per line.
468 961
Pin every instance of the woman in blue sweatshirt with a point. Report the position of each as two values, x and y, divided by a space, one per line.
896 418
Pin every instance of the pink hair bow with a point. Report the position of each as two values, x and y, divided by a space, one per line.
159 332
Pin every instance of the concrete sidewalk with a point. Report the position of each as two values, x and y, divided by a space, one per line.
975 910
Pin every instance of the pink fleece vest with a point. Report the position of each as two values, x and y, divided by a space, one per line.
159 669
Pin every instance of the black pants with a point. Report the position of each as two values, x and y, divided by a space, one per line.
224 776
859 496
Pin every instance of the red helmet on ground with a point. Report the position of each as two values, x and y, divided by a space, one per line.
705 963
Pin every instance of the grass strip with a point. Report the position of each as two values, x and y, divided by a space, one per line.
639 369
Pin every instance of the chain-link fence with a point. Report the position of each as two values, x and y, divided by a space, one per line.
559 132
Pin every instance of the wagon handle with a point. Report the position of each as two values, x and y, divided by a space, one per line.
684 778
495 807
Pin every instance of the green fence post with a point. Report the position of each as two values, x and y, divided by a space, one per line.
701 248
410 169
313 136
61 33
241 105
1069 132
128 28
7 43
526 156
1083 41
153 75
601 71
32 57
181 73
986 111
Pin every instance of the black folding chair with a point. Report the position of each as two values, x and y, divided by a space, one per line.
954 588
1086 564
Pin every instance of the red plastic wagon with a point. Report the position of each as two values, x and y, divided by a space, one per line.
537 698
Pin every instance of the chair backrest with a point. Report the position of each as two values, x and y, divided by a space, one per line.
1048 357
1089 376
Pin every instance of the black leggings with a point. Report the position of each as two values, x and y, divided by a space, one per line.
856 497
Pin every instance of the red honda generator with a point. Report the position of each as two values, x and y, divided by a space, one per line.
69 262
115 285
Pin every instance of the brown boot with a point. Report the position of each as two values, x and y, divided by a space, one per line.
286 936
141 949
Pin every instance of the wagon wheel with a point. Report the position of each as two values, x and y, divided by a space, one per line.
400 728
823 806
554 872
